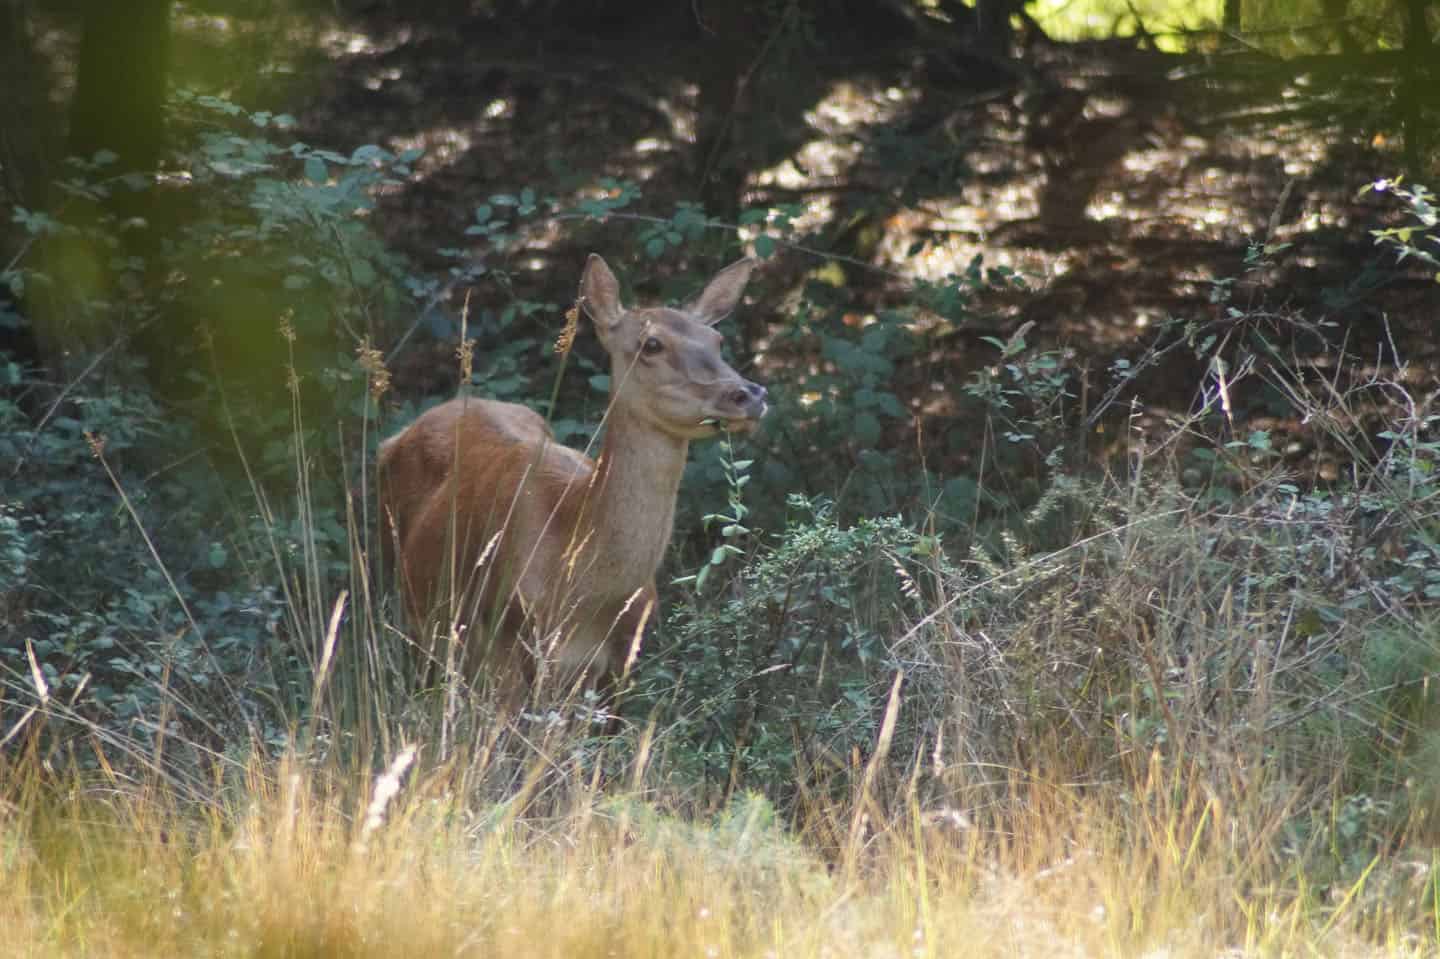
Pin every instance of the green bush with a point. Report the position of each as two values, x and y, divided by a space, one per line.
130 586
786 667
166 555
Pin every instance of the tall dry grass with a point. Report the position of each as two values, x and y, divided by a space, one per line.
1049 804
295 861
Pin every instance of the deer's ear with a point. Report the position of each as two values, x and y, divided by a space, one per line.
600 294
722 293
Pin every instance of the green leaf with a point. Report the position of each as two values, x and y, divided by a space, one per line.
959 496
367 154
315 170
362 272
764 246
866 429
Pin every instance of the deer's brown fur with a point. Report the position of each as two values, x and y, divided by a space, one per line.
535 553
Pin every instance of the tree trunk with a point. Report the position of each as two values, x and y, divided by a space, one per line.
120 89
26 125
726 36
27 132
993 33
1417 88
119 108
1230 21
1337 11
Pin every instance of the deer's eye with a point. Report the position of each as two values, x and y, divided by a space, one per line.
651 346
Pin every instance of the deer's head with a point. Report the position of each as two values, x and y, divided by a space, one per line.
666 368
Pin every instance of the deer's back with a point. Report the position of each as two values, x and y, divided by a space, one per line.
464 471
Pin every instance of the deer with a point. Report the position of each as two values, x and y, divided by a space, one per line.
538 561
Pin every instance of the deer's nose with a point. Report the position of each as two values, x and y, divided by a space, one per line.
749 394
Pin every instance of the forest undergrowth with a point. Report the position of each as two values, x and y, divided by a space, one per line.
1194 730
1153 717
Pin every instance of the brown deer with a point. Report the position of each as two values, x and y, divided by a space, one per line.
539 559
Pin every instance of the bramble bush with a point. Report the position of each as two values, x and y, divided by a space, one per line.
137 566
133 592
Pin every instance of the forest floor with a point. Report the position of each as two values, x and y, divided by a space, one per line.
1122 183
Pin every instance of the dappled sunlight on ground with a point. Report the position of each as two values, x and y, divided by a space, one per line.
841 121
1121 195
443 146
337 42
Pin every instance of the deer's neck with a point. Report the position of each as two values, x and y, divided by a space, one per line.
636 482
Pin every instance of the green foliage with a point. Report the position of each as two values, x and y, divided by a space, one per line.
1419 239
1113 18
283 240
747 833
771 227
1194 614
844 422
135 574
731 524
786 666
1291 27
836 422
687 225
1027 393
82 586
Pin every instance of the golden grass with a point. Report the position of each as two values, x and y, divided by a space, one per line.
283 866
